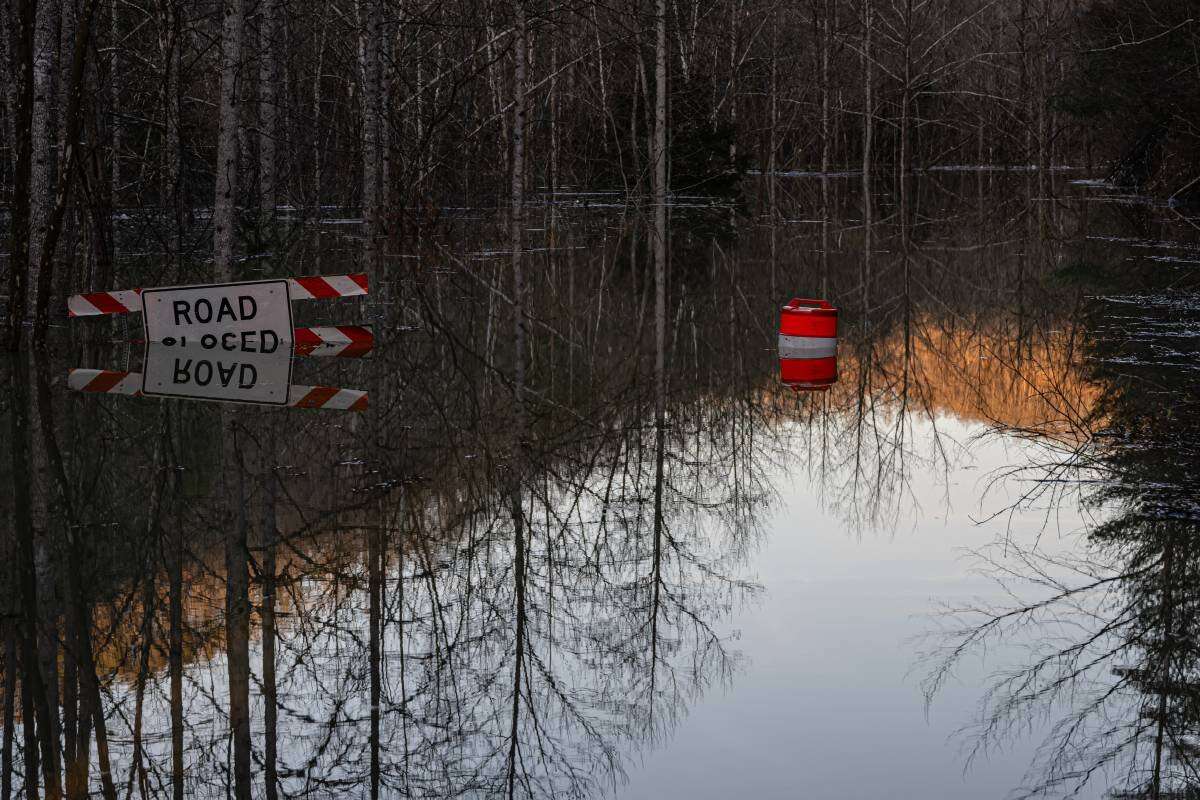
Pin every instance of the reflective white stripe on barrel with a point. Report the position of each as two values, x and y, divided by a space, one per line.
807 346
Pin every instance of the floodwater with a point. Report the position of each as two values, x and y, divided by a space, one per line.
629 560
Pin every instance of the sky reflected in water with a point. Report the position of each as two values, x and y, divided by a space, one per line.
607 550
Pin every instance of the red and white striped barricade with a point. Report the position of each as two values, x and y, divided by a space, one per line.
343 341
129 301
104 381
222 342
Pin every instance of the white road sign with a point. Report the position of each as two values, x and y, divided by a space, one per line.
200 373
250 317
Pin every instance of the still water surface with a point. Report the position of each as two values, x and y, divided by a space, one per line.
639 565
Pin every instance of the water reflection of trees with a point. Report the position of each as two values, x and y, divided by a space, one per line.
351 596
1108 638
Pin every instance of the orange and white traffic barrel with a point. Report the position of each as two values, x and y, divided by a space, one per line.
808 345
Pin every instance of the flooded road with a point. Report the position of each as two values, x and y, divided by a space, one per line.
627 559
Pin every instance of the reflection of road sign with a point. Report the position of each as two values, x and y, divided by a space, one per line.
125 301
252 317
104 381
195 372
328 397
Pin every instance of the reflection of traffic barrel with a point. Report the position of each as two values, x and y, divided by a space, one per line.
808 345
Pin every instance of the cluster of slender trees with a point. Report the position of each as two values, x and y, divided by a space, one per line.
196 123
507 577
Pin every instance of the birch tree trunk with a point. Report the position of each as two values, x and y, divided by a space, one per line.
268 77
660 321
868 130
6 69
517 232
67 171
173 155
825 91
36 711
375 577
659 150
237 605
371 71
227 156
175 554
21 34
10 690
270 535
521 48
317 100
42 136
773 132
659 146
867 134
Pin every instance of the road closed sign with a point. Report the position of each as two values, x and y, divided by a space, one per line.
246 318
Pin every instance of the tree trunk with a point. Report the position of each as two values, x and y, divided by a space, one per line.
46 530
371 69
6 70
867 136
375 646
10 692
227 155
517 232
825 91
79 613
237 608
268 78
66 172
659 148
519 345
43 136
36 710
773 133
175 551
173 155
270 693
21 33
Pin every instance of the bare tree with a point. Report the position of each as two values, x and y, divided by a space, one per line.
224 218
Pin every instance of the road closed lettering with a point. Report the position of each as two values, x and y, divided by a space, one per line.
243 307
264 341
254 316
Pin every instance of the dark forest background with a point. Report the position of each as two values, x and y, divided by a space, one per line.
212 119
